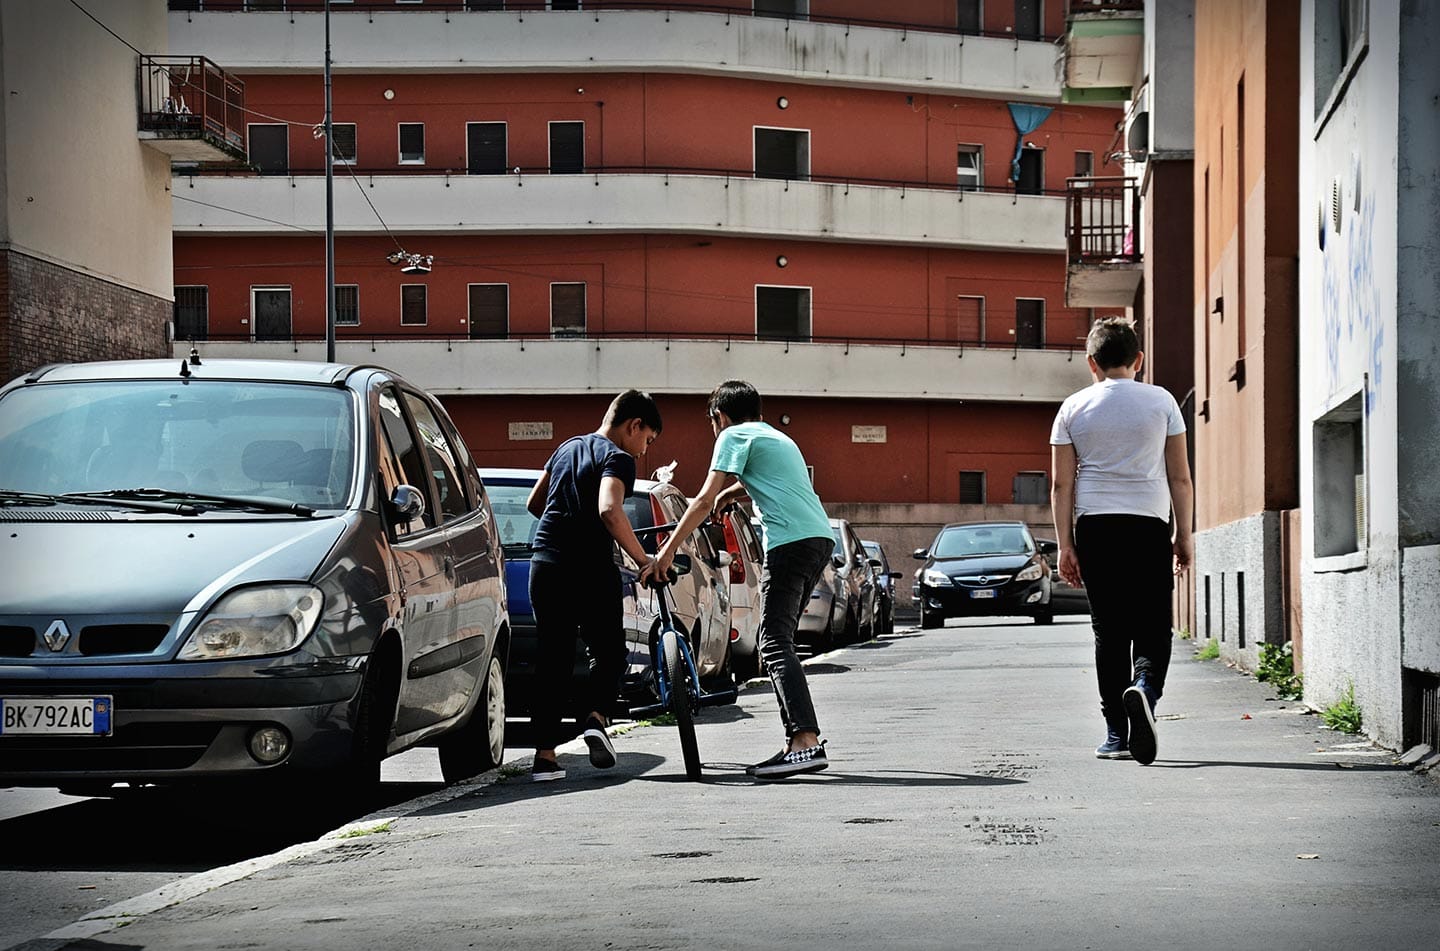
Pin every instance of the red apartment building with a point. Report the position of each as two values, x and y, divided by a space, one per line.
843 210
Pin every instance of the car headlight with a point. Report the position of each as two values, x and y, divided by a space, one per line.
1032 573
937 579
252 622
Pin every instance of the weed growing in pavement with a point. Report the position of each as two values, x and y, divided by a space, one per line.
1184 633
1210 651
1277 668
368 830
511 769
664 719
1344 714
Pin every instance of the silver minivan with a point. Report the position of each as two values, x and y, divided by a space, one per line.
237 568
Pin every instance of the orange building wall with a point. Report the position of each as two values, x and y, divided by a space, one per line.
928 443
1247 451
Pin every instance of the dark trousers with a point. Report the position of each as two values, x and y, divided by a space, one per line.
791 573
1127 565
572 602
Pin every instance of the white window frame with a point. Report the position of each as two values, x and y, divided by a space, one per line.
400 143
979 170
549 159
505 122
572 330
470 314
355 158
809 152
271 287
356 321
1044 318
809 334
426 321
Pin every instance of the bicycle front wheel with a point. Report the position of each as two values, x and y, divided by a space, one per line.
677 672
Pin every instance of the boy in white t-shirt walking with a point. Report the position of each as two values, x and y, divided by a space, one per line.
1120 469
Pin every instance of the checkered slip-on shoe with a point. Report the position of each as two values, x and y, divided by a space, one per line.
784 764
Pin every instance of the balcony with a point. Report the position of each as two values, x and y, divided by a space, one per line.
1104 263
894 369
624 202
1104 49
191 109
455 39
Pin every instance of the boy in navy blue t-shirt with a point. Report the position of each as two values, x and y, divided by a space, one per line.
575 585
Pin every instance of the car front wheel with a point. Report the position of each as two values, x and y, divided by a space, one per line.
930 619
479 745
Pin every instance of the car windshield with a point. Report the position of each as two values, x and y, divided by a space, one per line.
982 540
290 442
517 525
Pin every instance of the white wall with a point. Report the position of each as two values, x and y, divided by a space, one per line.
531 204
1170 63
624 40
80 190
1348 340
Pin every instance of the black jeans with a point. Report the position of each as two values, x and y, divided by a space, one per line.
791 573
1126 563
571 601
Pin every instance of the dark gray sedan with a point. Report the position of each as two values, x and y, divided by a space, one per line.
227 569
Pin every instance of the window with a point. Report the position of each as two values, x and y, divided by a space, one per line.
489 310
485 148
409 463
347 305
567 310
972 487
412 305
782 313
1029 323
269 148
412 143
440 458
567 148
1032 488
344 142
782 153
1027 19
793 9
270 313
970 167
968 16
1032 172
1342 35
968 323
564 4
1341 524
192 312
1084 164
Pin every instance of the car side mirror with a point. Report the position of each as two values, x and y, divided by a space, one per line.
921 554
875 563
1046 547
896 575
838 561
724 559
407 503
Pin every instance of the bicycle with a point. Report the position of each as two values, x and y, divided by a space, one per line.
677 680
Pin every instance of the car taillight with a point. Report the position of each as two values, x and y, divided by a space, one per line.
734 635
658 514
737 563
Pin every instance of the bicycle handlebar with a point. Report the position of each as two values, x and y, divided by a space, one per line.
654 529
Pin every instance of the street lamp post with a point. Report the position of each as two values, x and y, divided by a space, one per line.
329 204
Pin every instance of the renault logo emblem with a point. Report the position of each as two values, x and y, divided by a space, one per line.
57 635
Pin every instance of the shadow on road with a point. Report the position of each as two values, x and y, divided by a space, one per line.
733 774
580 777
1328 766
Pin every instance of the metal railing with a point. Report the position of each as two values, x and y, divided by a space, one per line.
1102 220
743 8
1073 7
191 97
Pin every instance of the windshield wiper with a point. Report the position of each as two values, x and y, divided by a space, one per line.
251 503
13 497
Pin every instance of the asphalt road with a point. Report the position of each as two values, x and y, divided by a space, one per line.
963 808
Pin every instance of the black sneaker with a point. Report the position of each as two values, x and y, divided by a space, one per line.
1143 743
783 764
602 751
545 770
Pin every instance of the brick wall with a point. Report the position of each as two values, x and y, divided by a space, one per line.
52 314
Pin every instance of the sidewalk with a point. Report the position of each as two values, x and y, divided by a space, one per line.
963 808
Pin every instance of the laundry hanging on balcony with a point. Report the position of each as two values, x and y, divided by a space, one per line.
1027 119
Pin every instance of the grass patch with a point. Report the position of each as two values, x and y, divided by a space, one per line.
1184 633
1344 715
664 719
1210 651
511 769
368 830
1277 668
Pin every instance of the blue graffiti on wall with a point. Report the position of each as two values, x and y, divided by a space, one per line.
1350 300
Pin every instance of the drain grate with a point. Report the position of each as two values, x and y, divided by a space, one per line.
1010 833
680 855
866 821
723 880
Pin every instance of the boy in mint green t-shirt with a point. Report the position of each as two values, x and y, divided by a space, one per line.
752 457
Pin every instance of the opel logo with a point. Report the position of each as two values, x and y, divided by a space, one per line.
983 580
57 635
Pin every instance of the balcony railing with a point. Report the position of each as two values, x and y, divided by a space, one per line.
188 103
1073 7
1102 216
738 8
